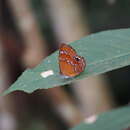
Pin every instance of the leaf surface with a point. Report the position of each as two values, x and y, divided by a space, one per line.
103 52
115 120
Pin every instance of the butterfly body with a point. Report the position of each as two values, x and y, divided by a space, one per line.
70 63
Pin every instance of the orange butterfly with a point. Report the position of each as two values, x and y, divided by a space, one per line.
70 63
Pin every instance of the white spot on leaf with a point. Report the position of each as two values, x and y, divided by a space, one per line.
45 74
91 119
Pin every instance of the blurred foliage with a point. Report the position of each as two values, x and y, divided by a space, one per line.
106 14
115 120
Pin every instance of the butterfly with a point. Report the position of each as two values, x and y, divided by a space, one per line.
70 63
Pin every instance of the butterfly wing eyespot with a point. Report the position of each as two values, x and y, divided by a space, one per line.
77 58
70 63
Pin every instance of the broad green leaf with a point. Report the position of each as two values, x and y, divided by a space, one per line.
104 51
115 120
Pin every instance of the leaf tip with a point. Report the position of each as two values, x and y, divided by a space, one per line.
6 92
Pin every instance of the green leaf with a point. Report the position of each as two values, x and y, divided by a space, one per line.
104 51
115 120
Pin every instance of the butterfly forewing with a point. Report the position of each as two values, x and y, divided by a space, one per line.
67 49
